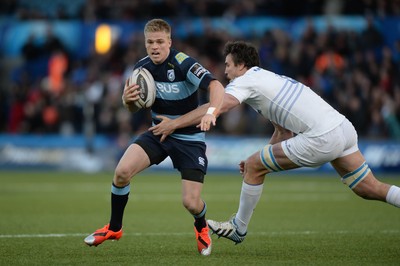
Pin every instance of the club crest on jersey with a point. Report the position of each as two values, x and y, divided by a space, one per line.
171 74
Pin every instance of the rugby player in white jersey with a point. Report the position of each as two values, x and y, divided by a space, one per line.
308 133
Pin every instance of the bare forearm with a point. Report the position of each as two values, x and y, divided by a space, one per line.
203 117
191 118
217 93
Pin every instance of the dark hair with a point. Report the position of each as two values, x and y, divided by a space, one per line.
242 53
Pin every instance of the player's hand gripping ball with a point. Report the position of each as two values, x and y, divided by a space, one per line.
147 87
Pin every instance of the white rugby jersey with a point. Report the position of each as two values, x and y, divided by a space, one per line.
285 101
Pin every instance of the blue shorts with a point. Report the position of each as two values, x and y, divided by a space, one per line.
185 155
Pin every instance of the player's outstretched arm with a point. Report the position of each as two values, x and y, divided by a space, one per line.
194 117
204 116
167 126
217 92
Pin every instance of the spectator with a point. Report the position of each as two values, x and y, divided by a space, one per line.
345 75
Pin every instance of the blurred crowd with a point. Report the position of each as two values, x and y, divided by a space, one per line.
354 71
88 10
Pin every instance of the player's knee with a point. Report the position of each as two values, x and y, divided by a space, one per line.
122 176
256 166
250 165
253 173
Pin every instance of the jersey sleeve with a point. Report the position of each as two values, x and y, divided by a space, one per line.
196 73
238 90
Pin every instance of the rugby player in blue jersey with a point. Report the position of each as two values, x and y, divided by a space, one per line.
178 78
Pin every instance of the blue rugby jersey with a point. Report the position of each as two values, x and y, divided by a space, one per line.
177 79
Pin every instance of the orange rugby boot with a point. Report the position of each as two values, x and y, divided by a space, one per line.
101 235
204 242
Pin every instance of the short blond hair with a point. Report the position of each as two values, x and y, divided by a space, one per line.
156 25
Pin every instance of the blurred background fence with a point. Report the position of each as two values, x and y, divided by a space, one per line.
64 63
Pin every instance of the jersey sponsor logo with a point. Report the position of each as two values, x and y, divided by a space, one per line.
168 88
180 57
171 74
198 70
202 162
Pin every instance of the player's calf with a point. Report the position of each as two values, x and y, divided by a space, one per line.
364 184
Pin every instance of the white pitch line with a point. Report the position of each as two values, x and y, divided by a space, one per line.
39 235
187 233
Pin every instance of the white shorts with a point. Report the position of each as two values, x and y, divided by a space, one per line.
315 151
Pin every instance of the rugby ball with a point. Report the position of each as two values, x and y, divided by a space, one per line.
142 77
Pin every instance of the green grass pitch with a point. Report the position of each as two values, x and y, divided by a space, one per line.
300 220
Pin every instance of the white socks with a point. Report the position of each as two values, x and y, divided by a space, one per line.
249 198
393 196
250 195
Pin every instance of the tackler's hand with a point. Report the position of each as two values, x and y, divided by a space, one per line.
207 121
241 168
